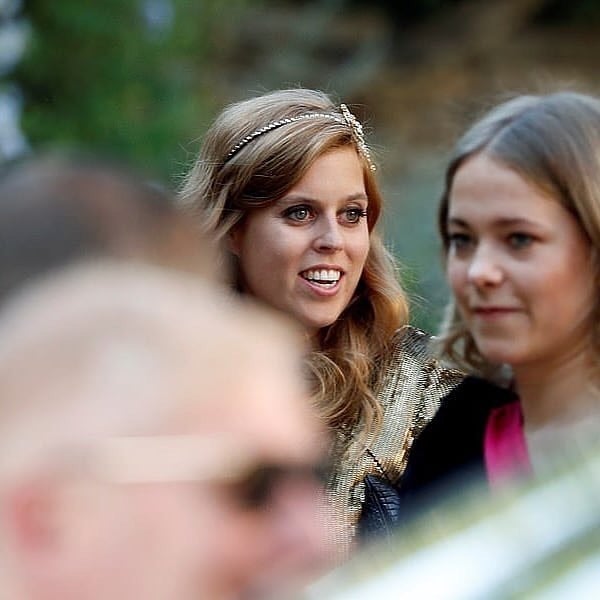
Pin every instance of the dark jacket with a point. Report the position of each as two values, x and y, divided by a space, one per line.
451 445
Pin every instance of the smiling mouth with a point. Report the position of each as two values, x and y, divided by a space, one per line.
493 310
323 277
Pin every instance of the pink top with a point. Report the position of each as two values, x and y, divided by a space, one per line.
504 446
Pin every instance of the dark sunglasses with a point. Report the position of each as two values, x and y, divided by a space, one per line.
256 488
199 458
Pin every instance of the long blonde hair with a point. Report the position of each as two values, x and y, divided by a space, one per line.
219 191
553 141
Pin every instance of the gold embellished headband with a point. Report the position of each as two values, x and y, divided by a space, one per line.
346 118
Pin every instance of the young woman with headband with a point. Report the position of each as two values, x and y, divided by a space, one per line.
286 182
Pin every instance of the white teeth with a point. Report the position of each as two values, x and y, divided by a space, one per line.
322 275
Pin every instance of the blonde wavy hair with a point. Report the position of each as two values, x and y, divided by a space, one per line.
552 141
219 192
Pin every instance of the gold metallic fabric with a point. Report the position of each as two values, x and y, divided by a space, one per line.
410 391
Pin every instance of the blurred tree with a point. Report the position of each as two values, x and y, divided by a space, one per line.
133 79
412 12
570 11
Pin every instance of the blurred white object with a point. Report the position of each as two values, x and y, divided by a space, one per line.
537 541
12 140
13 41
14 35
158 15
9 8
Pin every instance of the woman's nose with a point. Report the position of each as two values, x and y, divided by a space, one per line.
485 269
329 236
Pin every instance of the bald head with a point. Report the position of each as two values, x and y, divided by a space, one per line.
106 350
113 376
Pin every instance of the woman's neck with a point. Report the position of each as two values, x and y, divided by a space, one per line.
311 337
558 391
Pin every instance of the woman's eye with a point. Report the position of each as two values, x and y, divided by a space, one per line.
520 240
459 241
298 213
353 215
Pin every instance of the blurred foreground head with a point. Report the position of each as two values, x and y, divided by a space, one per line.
55 210
155 442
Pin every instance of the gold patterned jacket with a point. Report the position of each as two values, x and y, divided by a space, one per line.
410 390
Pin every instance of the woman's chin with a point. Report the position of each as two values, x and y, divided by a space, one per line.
314 323
498 354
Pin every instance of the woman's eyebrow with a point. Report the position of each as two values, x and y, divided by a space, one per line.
500 222
304 198
457 222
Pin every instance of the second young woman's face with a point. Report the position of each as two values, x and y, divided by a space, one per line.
305 253
519 267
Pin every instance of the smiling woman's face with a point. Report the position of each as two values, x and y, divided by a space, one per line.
519 266
305 254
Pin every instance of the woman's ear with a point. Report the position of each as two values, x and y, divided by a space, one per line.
234 239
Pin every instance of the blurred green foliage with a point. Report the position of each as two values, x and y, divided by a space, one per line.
101 77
